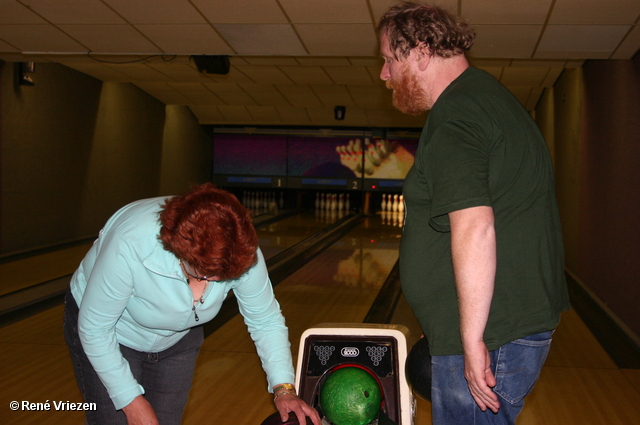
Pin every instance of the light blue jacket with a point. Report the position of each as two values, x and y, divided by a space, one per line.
131 291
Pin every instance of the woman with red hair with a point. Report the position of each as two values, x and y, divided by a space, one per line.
159 269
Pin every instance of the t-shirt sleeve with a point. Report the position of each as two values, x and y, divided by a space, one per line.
457 167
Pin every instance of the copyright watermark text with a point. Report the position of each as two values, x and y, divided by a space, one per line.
25 405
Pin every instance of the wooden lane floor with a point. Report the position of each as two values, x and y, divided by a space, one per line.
579 383
34 361
32 271
339 285
20 274
33 278
35 367
277 236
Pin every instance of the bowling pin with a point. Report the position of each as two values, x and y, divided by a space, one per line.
317 200
357 150
399 219
349 148
372 155
383 205
341 152
368 160
401 203
383 148
375 154
394 204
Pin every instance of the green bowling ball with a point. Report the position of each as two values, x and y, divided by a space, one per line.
350 396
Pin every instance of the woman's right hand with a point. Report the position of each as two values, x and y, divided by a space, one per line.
291 403
140 412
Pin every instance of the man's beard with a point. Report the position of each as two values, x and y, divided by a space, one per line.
408 96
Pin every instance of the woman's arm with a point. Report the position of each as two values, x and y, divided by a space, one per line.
109 286
267 327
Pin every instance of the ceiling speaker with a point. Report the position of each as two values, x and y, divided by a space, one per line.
22 71
212 64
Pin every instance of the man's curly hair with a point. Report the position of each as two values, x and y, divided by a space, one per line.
409 24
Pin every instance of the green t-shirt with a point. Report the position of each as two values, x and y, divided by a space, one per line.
480 147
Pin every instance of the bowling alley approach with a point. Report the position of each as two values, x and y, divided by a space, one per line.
299 212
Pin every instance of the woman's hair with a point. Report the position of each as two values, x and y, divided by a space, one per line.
209 229
408 24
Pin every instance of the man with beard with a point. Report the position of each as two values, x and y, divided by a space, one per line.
481 258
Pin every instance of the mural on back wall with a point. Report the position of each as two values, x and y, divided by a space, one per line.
330 157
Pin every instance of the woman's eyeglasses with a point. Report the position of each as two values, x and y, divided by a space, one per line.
191 273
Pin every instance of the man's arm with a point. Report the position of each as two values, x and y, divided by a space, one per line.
473 249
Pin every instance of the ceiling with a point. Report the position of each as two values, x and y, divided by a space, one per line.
293 61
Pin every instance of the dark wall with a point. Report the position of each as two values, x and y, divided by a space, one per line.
609 208
75 149
567 134
45 154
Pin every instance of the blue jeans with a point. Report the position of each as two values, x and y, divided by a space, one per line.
516 366
165 376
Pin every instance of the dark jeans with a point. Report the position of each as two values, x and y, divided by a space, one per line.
165 376
516 366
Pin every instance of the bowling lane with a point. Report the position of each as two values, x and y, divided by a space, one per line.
35 366
281 235
339 285
37 378
579 384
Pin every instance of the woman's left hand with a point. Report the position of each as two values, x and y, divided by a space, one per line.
287 403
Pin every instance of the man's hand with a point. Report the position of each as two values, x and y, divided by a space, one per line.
140 412
477 371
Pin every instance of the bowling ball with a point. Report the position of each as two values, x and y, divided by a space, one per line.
418 369
274 419
350 396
